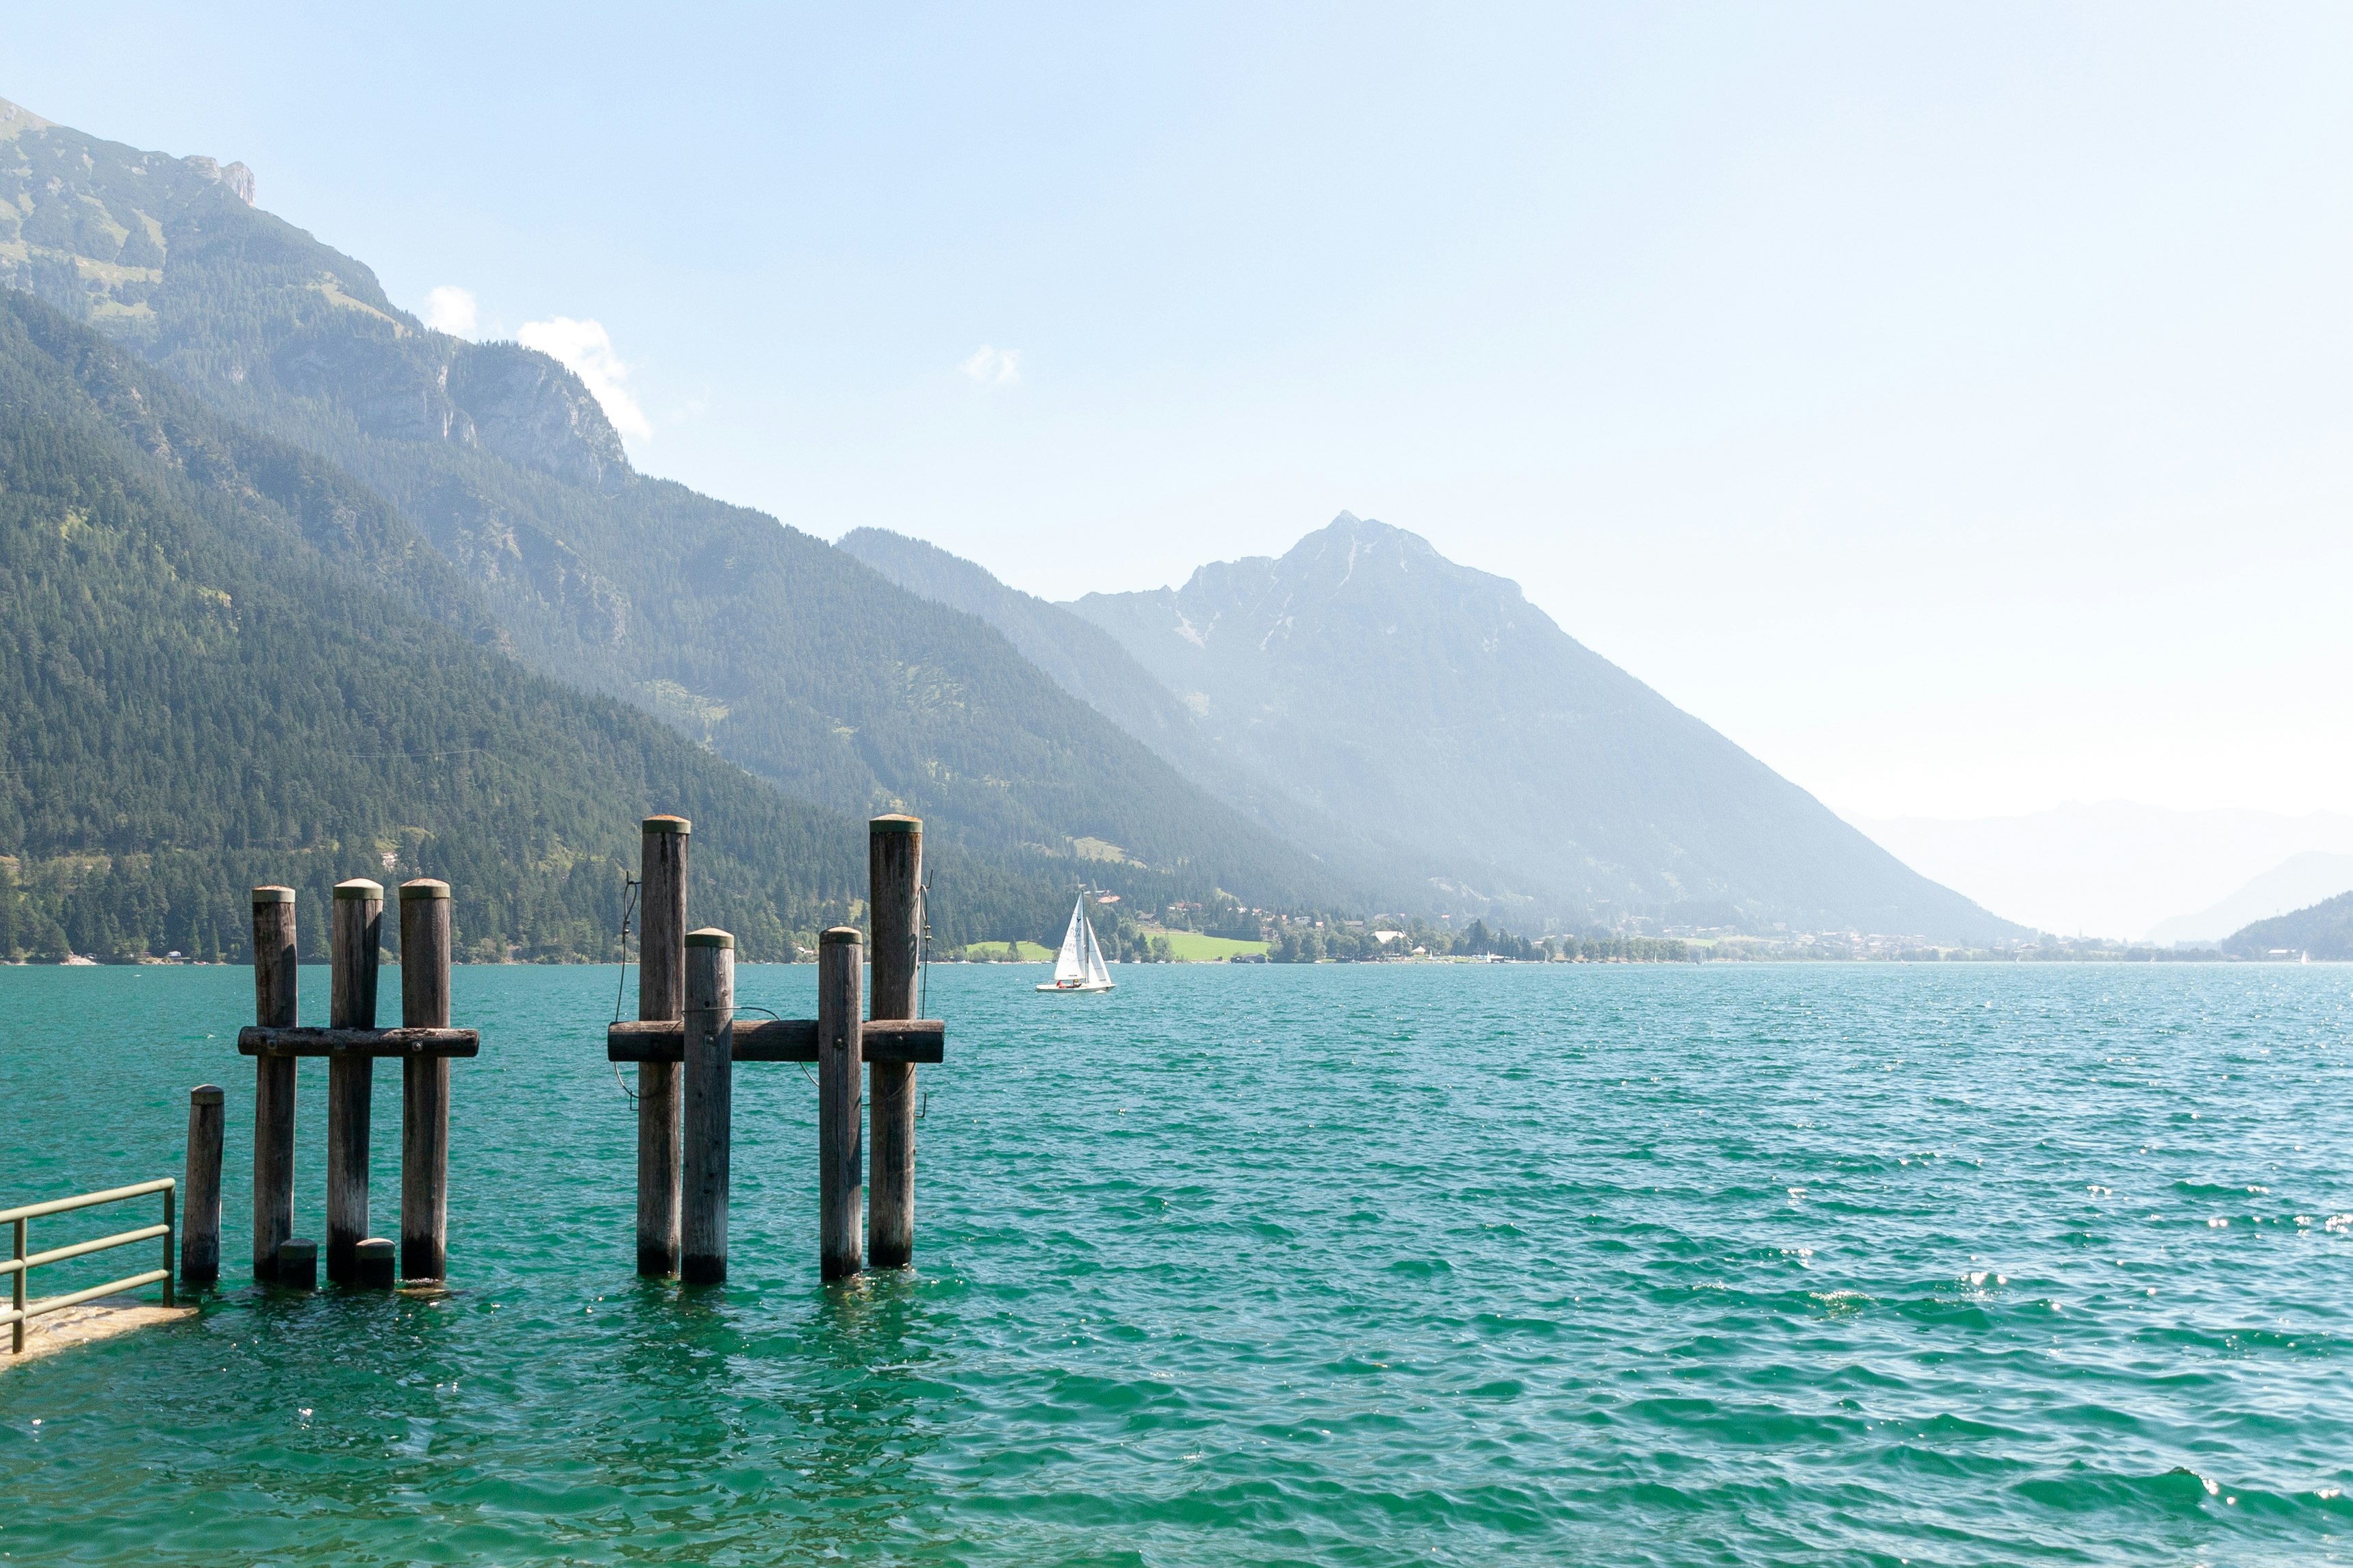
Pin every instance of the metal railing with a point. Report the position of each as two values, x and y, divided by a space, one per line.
23 1263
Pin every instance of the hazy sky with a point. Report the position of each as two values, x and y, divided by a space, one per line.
1951 405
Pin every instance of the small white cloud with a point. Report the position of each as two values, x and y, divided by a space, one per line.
586 348
450 309
992 366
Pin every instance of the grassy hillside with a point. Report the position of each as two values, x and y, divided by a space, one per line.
216 671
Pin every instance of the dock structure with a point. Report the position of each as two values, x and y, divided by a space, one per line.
687 1044
424 1045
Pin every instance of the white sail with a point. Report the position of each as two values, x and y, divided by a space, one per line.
1096 974
1070 963
1080 966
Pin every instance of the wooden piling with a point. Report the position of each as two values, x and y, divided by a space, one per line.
371 1263
297 1264
894 865
200 1191
275 985
354 945
424 1081
706 1072
840 1157
661 995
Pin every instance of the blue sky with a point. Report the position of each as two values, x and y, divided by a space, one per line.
1951 405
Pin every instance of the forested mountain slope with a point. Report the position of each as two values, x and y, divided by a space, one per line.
1385 685
2324 930
217 670
765 643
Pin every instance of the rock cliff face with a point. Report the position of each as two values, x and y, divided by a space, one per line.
412 385
237 177
531 410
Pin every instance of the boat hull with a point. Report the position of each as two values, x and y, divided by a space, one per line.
1104 986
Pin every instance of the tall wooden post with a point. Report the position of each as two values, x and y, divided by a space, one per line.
895 867
354 945
840 1157
661 995
275 982
200 1191
424 1081
707 1071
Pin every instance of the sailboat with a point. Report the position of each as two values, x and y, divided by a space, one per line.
1080 966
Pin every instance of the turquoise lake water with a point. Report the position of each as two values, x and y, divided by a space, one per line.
1837 1264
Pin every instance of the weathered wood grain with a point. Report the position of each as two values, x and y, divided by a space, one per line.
425 939
200 1193
275 982
894 865
840 1159
355 937
706 1074
661 995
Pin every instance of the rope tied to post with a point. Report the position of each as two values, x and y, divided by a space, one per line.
924 947
629 887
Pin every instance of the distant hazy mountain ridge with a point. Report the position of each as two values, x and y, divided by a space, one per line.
1091 665
1421 724
1392 687
2297 883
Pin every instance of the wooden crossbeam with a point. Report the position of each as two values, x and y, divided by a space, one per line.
254 1041
780 1040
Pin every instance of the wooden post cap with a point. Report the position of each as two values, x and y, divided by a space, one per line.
362 889
374 1246
668 824
896 822
273 895
424 887
204 1094
297 1251
710 936
840 936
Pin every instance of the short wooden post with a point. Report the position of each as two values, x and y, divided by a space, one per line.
200 1233
424 1081
840 1161
894 866
275 984
354 943
661 995
297 1264
371 1263
707 1071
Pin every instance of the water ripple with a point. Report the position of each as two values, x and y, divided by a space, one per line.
1767 1265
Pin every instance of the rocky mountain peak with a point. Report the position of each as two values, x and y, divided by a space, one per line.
236 176
16 120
